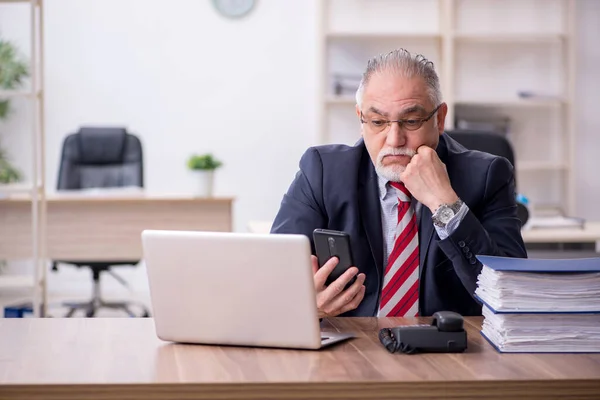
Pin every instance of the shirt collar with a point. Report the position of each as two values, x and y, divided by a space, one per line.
383 186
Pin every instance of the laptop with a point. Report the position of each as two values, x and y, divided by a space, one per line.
241 289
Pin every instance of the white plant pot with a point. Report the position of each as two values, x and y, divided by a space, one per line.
205 183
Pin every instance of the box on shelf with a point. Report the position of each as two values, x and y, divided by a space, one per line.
21 310
499 125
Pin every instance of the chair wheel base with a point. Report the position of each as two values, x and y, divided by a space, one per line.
92 307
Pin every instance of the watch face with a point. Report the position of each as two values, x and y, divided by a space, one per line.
446 215
234 8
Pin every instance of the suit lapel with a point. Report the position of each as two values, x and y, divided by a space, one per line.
370 210
425 234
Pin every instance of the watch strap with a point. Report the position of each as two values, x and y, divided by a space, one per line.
456 206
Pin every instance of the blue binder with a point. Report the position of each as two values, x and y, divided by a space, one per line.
571 265
526 311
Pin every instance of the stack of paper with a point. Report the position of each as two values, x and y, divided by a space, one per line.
571 333
534 305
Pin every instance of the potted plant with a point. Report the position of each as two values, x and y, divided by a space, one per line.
204 166
13 70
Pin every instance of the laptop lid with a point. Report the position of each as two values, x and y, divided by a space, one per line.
232 288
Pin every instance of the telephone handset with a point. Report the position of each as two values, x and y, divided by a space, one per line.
444 335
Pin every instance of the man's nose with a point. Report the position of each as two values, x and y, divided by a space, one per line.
395 136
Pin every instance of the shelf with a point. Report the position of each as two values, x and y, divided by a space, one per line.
31 93
16 282
509 37
16 188
528 102
384 35
540 166
485 54
19 1
18 93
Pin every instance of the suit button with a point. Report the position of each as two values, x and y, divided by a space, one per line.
472 261
461 244
469 255
466 249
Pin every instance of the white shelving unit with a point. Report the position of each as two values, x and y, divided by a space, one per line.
35 187
485 52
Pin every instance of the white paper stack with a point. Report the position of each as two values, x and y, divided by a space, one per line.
510 291
531 333
540 305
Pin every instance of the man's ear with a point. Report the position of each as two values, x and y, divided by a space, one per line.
441 118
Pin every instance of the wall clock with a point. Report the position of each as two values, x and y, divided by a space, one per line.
234 8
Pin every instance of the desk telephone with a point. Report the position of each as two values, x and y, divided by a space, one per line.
444 335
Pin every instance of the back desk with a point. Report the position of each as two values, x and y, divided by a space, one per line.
122 358
105 227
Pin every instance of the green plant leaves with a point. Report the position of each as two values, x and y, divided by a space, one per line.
4 108
203 162
8 173
13 70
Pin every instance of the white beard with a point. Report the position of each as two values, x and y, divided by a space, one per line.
392 172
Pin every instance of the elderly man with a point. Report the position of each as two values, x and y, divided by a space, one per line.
417 205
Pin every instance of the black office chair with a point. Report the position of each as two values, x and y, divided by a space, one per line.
488 142
98 157
491 143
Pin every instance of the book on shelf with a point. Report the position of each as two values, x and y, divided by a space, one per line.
539 305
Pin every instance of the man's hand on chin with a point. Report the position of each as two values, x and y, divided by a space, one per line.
427 180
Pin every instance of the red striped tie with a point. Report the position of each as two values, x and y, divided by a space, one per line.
400 294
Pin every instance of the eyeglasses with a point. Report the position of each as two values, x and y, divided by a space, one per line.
378 125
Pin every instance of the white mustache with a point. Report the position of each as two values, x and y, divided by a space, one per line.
396 151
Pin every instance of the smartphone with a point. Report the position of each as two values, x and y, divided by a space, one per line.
329 243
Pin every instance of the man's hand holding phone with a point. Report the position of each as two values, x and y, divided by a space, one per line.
333 300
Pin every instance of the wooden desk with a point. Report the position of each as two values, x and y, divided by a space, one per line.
100 228
122 358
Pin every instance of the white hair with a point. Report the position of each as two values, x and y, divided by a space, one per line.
400 61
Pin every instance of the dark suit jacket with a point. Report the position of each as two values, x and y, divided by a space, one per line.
336 188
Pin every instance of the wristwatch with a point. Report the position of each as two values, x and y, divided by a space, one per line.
445 213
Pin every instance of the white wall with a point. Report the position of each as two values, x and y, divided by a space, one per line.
186 80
